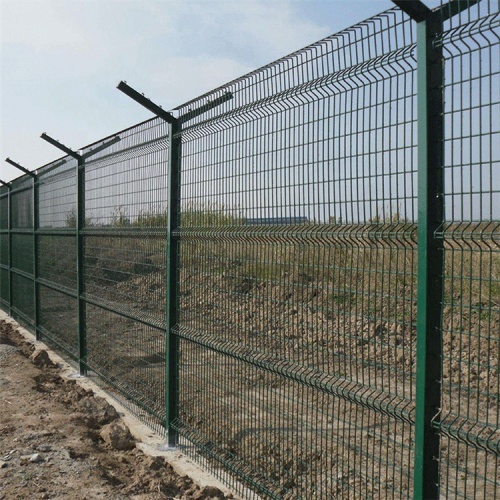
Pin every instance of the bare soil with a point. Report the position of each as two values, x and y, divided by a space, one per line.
51 444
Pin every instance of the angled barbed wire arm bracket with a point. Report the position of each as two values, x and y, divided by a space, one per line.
21 168
146 103
60 146
205 107
430 124
419 12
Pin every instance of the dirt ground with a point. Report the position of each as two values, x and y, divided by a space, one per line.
59 440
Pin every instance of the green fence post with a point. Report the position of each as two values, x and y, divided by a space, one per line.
430 250
8 185
36 223
80 280
430 258
430 111
9 239
172 401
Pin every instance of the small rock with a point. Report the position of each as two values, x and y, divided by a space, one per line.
41 358
26 451
3 464
98 411
8 457
35 458
117 435
44 447
155 463
208 492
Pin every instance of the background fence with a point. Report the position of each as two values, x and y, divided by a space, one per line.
298 274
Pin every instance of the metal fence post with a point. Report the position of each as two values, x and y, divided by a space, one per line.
430 112
172 401
6 195
36 223
80 280
9 228
430 258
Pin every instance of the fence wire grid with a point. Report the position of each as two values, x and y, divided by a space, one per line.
298 279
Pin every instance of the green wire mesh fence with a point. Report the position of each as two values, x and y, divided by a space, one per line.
470 406
315 216
297 241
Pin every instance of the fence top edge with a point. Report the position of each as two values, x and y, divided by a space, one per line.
345 32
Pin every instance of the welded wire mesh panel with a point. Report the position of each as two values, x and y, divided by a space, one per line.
124 266
22 209
471 317
129 357
128 271
4 249
4 209
22 252
58 313
21 240
125 207
298 258
285 439
57 194
125 184
4 288
58 321
57 260
23 306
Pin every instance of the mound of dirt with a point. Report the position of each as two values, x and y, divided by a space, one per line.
54 438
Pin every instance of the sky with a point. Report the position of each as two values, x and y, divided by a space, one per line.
61 60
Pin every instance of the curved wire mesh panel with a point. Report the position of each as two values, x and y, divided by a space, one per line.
298 268
57 262
4 247
471 233
124 267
